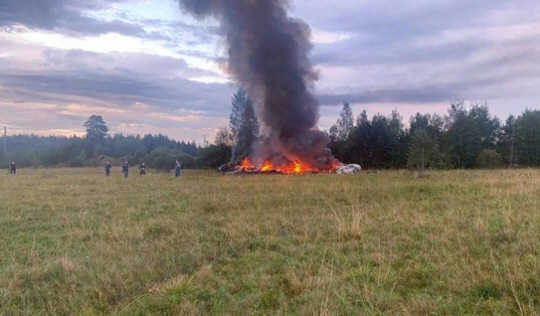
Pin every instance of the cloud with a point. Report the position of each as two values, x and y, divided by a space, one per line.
70 16
120 79
118 91
427 51
63 87
128 64
422 95
376 55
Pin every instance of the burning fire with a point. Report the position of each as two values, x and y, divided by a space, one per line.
247 165
296 167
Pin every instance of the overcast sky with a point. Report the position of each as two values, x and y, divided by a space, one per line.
147 68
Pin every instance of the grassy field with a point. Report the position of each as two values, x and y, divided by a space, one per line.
73 242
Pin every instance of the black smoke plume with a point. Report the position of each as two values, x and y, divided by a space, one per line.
268 56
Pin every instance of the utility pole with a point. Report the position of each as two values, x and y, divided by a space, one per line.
5 139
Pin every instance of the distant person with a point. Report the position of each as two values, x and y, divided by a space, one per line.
177 168
108 169
13 168
125 169
142 169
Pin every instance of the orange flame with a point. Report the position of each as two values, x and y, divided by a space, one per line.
267 166
247 165
296 167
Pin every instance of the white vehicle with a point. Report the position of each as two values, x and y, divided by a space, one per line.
349 169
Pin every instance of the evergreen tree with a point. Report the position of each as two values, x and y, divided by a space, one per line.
489 126
431 124
341 134
363 132
244 124
96 129
333 133
528 138
470 131
345 122
380 141
507 143
96 132
397 145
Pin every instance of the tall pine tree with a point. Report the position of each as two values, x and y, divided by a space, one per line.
96 129
345 123
244 124
507 141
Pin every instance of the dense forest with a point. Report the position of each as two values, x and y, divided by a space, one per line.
37 151
467 136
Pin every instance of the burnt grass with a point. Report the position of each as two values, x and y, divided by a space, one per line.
455 243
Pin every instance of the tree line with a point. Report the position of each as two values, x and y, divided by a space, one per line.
96 147
74 151
467 136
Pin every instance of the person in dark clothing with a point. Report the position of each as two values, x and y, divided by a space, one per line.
108 169
125 169
142 169
177 168
13 168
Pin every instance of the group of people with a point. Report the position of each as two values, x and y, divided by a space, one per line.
108 166
142 169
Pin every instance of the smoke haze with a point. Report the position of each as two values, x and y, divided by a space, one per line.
268 56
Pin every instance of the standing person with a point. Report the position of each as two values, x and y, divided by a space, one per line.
108 169
13 168
142 169
125 169
177 168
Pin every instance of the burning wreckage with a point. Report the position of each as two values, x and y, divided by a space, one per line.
268 56
246 166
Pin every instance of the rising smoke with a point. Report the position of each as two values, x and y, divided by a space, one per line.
268 56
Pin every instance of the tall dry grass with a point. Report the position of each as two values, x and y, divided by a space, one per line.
73 242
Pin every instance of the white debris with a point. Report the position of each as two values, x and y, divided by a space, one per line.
349 169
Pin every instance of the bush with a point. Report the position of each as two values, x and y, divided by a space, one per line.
162 158
213 156
490 159
79 161
187 161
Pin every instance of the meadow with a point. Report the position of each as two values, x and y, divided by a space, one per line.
73 242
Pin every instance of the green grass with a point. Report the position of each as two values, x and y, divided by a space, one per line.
73 242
